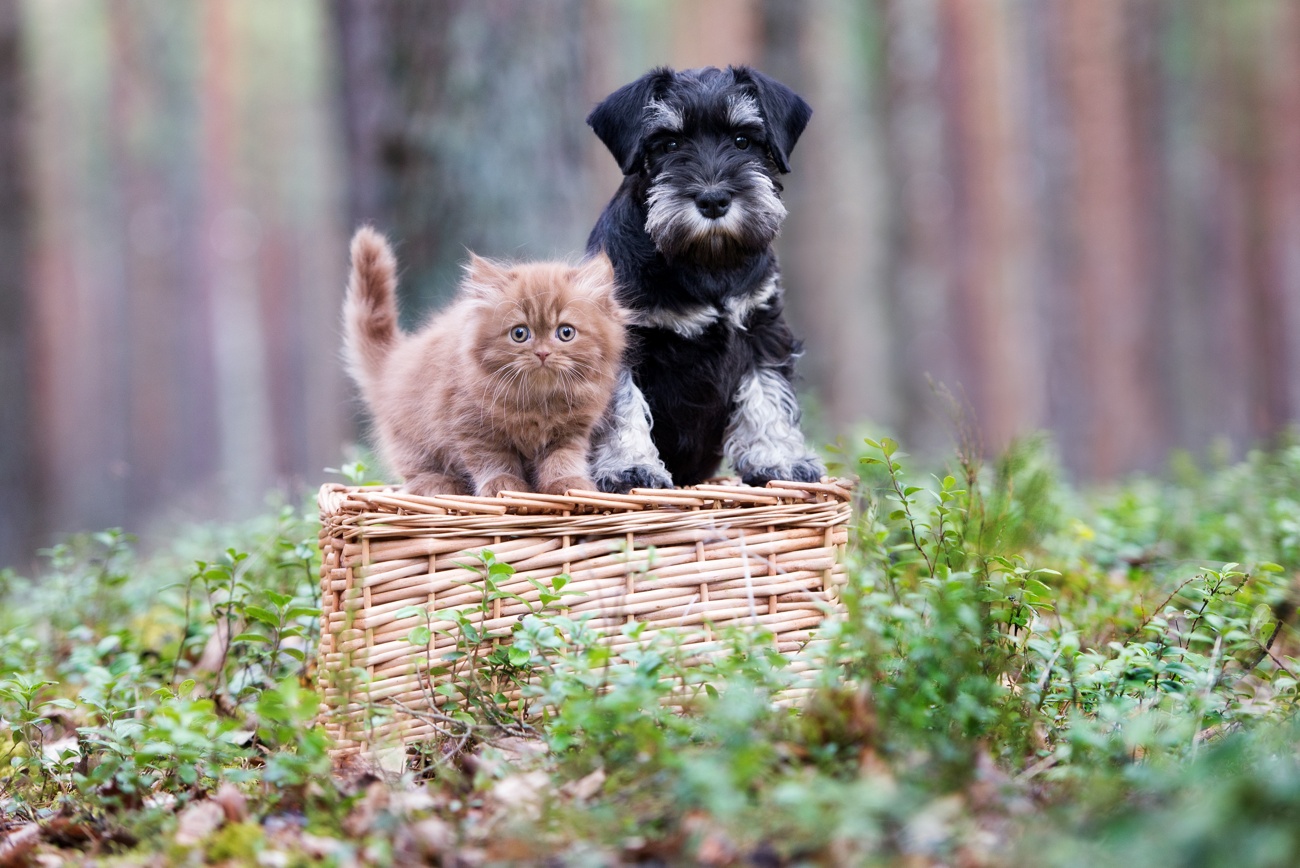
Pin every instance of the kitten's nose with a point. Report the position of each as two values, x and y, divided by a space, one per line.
541 354
713 202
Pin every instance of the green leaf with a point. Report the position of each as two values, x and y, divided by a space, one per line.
519 657
1037 592
420 635
252 637
307 612
257 613
1261 622
280 600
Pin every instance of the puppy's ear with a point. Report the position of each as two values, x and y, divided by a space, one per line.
483 277
619 120
785 112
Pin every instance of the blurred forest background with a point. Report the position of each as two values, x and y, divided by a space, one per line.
1081 216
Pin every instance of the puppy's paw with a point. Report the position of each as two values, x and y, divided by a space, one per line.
567 483
807 470
637 476
803 470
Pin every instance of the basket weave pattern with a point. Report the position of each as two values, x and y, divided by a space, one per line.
692 560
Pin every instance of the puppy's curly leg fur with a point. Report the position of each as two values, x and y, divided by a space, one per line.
623 455
763 441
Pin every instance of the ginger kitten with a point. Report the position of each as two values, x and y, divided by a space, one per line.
500 390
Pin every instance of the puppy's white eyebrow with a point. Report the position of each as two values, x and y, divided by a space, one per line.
742 111
664 116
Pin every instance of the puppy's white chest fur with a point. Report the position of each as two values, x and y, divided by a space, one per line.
695 320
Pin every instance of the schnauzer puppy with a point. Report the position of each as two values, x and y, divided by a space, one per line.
690 232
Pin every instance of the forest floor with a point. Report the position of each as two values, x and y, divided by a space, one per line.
1028 674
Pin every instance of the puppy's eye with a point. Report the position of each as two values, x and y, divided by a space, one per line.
668 146
742 142
566 333
519 334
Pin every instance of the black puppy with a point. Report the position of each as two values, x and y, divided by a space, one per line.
690 233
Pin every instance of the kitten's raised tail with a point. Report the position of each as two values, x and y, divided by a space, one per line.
370 310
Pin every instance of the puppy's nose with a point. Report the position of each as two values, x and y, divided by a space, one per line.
713 202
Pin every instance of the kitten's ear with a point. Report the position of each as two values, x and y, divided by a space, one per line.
595 279
483 277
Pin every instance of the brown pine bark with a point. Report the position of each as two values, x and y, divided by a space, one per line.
999 327
229 239
1283 214
716 33
1112 318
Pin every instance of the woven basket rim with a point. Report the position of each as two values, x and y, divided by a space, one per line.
336 497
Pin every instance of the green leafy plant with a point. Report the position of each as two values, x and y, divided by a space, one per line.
1023 673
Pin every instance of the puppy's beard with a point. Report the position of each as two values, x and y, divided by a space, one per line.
679 230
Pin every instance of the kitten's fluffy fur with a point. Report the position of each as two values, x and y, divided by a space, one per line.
464 406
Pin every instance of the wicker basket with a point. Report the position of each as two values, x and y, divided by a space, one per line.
722 555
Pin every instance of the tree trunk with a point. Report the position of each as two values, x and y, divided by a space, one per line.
19 492
464 128
1112 312
832 246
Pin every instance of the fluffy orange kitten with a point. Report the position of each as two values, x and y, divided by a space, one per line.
500 390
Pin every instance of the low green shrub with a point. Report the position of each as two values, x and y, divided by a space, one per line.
1026 673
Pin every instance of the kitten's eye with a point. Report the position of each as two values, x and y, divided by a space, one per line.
519 334
566 333
742 142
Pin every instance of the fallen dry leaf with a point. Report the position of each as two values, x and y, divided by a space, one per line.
197 821
523 793
17 846
716 849
585 787
232 802
361 819
427 838
405 803
321 846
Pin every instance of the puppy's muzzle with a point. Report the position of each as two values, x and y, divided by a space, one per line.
713 202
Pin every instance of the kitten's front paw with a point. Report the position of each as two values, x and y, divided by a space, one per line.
500 483
567 483
803 470
637 476
433 484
